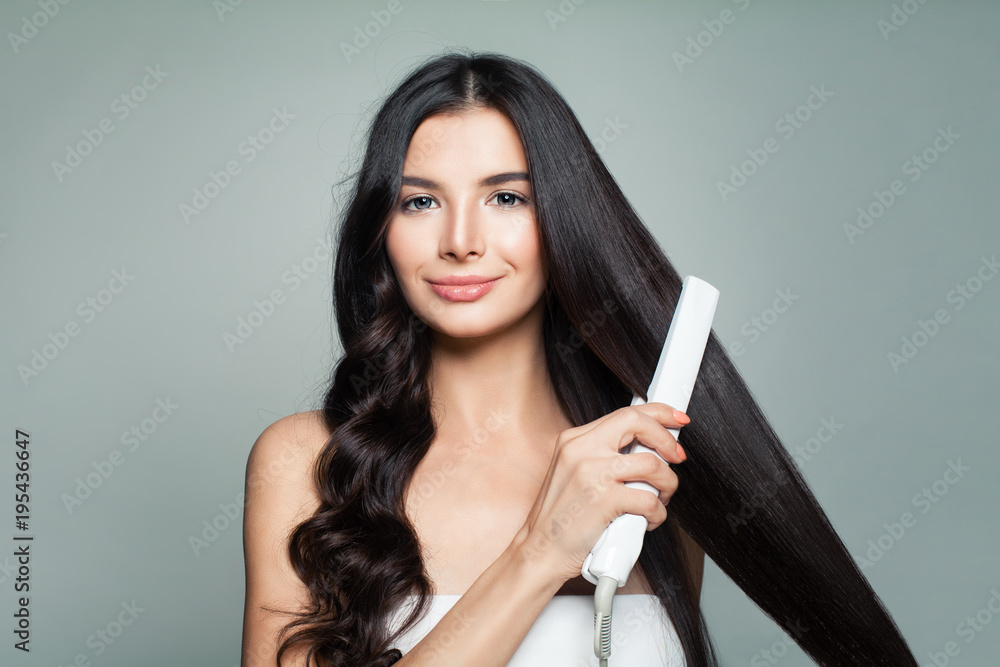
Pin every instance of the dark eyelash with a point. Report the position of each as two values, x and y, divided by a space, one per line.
516 196
406 202
404 206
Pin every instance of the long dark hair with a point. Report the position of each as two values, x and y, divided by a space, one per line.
741 496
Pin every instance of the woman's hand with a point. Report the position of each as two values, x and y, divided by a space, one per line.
584 488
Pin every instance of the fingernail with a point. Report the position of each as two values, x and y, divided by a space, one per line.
682 452
681 417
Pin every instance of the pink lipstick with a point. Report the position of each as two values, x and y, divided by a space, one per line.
463 288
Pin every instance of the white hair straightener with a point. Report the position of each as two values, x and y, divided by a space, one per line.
610 561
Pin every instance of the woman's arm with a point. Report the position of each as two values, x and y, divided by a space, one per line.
489 621
279 495
582 492
512 592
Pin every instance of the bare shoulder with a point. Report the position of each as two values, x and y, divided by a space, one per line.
280 494
279 490
286 449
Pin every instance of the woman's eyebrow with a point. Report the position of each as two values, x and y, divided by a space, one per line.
498 179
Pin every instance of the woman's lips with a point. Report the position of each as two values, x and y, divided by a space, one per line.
463 292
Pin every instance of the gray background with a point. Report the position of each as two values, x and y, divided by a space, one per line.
681 131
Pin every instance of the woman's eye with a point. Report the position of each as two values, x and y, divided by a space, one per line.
507 199
422 203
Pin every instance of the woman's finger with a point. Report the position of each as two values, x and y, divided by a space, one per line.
648 423
665 414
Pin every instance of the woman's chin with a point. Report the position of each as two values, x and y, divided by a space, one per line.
470 330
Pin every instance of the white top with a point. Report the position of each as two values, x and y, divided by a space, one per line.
563 635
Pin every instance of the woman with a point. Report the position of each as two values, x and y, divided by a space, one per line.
468 445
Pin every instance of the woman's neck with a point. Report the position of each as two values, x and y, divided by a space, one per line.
499 383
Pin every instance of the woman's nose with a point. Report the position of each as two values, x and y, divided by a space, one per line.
463 231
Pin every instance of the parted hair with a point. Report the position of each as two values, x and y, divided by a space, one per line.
741 496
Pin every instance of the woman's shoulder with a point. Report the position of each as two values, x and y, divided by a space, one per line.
284 454
280 494
297 436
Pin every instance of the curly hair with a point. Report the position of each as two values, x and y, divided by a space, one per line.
741 496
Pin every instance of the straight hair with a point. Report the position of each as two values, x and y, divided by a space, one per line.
741 496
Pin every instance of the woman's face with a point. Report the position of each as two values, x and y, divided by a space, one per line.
465 213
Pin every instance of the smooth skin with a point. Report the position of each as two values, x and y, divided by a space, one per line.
506 465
